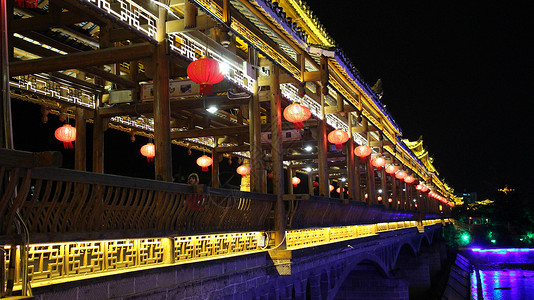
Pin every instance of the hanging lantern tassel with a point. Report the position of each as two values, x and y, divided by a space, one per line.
67 135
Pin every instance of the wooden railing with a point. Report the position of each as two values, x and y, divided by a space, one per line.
312 211
66 205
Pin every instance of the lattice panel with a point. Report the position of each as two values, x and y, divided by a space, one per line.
196 247
298 238
47 87
131 13
46 261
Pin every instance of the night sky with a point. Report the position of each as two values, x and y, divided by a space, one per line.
455 72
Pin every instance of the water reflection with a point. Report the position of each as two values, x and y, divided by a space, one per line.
503 273
513 284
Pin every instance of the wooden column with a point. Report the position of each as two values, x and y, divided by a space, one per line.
358 188
98 121
257 167
394 192
351 171
216 156
162 111
290 174
81 146
371 189
310 183
190 15
6 132
277 156
322 143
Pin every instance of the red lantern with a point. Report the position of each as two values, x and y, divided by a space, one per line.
379 198
419 187
409 179
401 175
67 135
390 200
424 189
315 184
27 3
204 161
378 162
295 180
363 151
149 150
296 114
206 72
243 170
392 169
331 188
338 137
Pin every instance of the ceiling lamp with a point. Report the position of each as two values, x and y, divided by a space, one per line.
67 135
378 162
206 72
401 175
149 150
363 151
243 170
409 179
392 169
204 161
295 180
296 114
338 137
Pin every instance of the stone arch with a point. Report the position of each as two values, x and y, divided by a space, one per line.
404 247
367 279
424 242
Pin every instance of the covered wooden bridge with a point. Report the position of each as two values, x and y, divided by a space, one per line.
123 65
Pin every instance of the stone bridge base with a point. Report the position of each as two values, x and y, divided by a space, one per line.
389 265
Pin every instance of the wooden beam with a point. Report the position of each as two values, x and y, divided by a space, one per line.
202 22
81 59
90 70
220 131
312 76
222 102
241 148
335 109
44 22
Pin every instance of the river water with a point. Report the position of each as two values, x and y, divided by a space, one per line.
502 274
